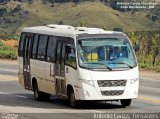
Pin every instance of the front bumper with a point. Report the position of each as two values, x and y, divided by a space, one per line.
88 92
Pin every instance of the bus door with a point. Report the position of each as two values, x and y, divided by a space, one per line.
26 62
60 69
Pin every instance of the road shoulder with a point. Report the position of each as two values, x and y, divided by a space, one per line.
7 61
150 75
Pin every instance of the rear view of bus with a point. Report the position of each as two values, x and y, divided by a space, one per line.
107 67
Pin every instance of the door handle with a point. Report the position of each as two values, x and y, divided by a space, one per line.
28 67
67 71
51 71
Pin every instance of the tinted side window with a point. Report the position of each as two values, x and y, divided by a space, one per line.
71 56
21 45
51 48
42 47
34 49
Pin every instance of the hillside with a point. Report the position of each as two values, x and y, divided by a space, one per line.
16 15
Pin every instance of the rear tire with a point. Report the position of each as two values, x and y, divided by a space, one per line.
126 102
39 96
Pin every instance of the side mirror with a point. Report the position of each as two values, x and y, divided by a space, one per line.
136 47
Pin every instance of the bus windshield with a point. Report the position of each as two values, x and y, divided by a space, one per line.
105 53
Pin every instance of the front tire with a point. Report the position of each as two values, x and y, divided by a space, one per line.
72 100
126 102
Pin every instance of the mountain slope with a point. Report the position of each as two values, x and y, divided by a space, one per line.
93 14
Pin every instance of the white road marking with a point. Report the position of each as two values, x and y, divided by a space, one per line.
8 78
19 109
21 96
9 70
4 93
96 111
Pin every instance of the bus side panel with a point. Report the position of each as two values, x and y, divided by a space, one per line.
71 78
41 70
20 71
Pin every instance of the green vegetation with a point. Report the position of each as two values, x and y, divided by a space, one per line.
87 13
149 53
92 14
7 51
13 36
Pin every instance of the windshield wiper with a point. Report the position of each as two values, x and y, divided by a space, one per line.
102 64
131 67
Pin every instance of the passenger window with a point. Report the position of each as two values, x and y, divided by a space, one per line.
34 49
42 47
71 56
21 45
51 48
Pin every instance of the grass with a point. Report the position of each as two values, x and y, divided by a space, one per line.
149 67
92 14
8 54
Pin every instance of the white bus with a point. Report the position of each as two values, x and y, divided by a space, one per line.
78 63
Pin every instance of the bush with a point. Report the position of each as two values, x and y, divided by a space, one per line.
7 52
3 46
149 54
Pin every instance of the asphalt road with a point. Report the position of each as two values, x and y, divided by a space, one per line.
17 102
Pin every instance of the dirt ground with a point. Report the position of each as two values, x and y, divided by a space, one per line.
7 61
149 75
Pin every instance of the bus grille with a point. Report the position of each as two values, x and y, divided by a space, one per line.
111 83
112 92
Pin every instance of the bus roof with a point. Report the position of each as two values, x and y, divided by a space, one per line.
67 31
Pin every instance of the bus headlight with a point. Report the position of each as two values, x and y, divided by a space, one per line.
132 81
90 82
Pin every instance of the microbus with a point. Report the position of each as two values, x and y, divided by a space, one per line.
78 63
